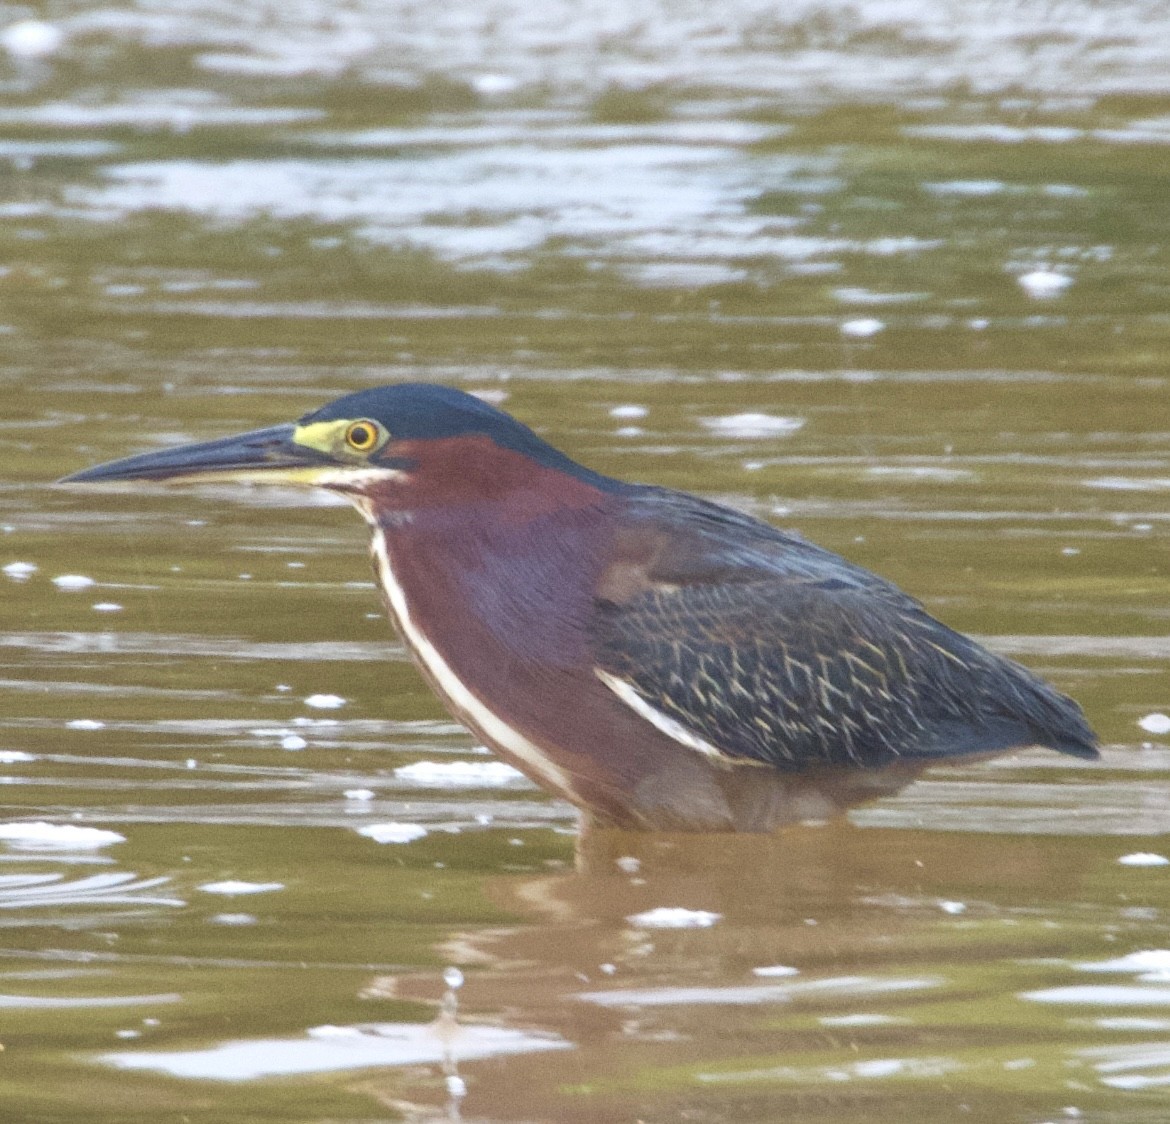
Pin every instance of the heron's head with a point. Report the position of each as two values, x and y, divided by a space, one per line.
393 446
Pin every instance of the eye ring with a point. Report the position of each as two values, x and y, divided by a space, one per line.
362 436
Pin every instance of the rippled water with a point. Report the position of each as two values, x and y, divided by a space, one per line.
892 273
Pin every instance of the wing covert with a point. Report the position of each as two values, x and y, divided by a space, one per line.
773 651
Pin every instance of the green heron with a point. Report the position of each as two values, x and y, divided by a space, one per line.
661 661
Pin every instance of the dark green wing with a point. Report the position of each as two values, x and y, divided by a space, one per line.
759 646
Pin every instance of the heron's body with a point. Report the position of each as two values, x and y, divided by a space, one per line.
661 661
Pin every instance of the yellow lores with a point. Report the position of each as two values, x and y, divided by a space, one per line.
350 440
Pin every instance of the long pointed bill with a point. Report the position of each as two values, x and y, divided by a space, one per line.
264 455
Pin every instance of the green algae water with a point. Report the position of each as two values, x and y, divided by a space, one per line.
895 275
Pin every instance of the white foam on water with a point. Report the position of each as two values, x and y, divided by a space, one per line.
461 774
42 836
325 702
674 917
860 1019
233 887
31 39
1143 858
1156 723
932 473
325 1049
1146 960
1044 284
1130 483
863 327
972 188
330 1031
393 832
1092 995
73 581
753 425
233 919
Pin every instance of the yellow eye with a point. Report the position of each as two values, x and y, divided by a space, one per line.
362 436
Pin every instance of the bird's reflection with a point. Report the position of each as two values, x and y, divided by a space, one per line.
667 961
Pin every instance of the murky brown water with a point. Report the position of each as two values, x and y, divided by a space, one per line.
928 243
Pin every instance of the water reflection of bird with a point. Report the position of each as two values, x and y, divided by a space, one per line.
661 661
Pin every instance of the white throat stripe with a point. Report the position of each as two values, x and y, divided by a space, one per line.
455 692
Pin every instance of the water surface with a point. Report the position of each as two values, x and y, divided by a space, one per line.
894 274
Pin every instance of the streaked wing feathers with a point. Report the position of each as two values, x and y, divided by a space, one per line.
775 651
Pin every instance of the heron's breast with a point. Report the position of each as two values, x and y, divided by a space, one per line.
430 650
